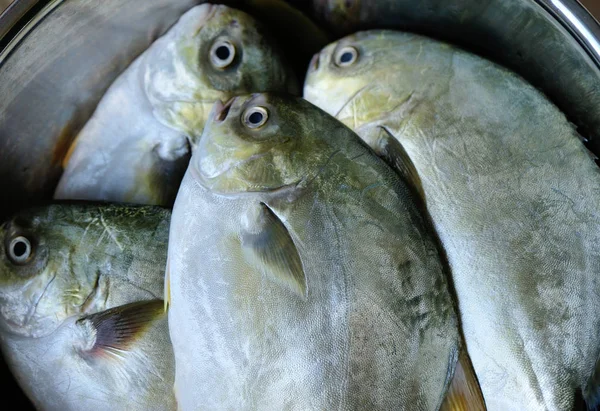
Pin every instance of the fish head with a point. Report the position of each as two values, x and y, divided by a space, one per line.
262 143
39 286
350 79
217 52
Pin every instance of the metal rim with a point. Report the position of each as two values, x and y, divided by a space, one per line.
22 15
19 19
579 22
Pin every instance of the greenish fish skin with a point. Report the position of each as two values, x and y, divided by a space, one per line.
513 195
57 331
302 274
136 146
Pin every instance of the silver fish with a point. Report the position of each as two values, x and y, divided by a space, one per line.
513 194
302 275
82 322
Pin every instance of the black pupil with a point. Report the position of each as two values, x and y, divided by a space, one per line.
346 57
255 118
19 249
223 52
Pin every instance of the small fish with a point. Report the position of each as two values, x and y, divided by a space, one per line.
82 323
513 195
136 146
302 275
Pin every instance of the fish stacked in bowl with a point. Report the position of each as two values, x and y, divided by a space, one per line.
419 231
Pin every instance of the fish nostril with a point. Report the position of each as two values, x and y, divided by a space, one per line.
223 110
314 63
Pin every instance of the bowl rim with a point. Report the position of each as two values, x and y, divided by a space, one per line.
21 17
578 21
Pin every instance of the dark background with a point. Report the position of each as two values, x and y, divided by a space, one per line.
593 6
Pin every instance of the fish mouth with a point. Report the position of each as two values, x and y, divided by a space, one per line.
220 110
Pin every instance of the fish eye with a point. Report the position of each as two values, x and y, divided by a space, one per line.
255 117
346 56
20 250
222 54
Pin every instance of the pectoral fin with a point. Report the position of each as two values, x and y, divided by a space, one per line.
392 151
269 247
117 328
464 392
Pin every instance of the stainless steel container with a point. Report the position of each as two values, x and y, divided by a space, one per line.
58 57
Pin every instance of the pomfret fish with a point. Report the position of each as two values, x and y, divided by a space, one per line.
302 275
513 195
136 146
82 322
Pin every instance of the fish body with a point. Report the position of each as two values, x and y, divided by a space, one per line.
302 275
82 323
136 146
513 195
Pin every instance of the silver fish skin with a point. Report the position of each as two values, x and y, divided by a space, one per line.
302 276
513 194
136 146
82 322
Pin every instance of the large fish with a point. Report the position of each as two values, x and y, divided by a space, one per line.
82 322
302 274
513 194
136 146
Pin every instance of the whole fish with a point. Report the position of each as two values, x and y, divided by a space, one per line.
136 146
302 275
513 195
82 322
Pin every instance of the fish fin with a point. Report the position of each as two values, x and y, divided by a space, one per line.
269 247
591 391
158 173
167 291
464 392
391 150
70 151
117 328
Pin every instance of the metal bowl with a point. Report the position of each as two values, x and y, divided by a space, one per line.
58 57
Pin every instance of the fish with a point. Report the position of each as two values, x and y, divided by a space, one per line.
512 193
82 321
301 273
137 144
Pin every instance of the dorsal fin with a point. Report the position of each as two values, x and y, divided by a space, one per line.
268 246
464 392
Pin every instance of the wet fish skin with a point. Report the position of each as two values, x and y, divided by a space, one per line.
136 146
301 273
81 320
513 194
